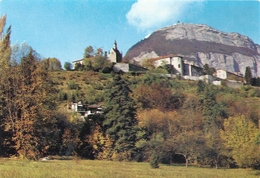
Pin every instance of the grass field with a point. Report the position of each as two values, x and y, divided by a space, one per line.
108 169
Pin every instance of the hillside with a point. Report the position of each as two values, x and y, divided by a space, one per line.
203 45
78 85
172 120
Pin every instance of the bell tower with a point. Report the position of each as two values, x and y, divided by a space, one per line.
114 55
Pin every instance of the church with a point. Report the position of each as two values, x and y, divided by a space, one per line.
115 56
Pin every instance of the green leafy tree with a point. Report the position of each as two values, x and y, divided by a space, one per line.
154 162
241 140
88 64
99 62
149 64
52 64
89 52
208 70
248 76
79 67
120 122
95 60
67 66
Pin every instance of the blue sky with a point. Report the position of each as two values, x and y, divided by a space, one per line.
64 28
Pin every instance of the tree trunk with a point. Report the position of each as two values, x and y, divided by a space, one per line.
186 160
216 164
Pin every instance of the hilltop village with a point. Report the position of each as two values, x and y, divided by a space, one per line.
180 67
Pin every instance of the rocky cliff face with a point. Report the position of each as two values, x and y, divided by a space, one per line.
201 45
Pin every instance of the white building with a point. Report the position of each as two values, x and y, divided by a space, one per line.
220 73
223 74
181 67
174 60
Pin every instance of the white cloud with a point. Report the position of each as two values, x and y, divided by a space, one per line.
147 14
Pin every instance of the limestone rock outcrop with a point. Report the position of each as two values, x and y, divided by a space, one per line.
201 45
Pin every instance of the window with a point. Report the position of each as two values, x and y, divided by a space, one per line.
179 65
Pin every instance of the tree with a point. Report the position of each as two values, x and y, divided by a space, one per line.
241 139
95 60
52 64
156 121
99 62
208 70
189 145
88 64
212 111
200 87
170 69
149 64
89 52
19 51
120 117
248 76
5 57
67 66
5 48
156 96
79 67
27 98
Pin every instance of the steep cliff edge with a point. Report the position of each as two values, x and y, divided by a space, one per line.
202 45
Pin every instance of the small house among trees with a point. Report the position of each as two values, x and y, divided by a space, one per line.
84 109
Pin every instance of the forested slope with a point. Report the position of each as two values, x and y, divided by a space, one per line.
191 119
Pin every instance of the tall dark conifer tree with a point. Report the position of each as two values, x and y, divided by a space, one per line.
120 122
248 76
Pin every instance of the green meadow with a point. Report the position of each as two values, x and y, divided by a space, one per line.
95 169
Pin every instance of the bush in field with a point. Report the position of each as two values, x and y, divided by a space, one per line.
154 161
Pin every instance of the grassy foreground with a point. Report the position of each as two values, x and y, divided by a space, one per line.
92 169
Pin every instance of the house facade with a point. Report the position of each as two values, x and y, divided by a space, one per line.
181 67
223 74
174 60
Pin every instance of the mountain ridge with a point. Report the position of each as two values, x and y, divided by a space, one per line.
202 45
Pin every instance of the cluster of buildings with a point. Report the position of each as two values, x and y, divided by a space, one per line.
184 68
84 110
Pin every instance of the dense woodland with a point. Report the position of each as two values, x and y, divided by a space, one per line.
146 117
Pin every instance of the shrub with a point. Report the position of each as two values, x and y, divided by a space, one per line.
154 161
73 85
